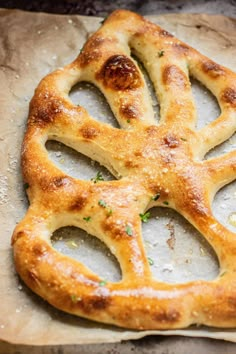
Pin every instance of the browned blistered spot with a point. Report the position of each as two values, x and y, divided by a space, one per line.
131 164
229 96
60 181
16 236
117 231
156 188
39 250
100 303
138 153
91 304
180 48
129 111
152 130
213 69
164 33
173 75
54 183
120 73
171 141
78 203
32 275
168 316
89 132
46 111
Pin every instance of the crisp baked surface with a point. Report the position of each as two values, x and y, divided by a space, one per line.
156 164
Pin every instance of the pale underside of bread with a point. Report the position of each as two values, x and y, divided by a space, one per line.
155 163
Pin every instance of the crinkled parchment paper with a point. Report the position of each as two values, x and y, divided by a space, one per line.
32 45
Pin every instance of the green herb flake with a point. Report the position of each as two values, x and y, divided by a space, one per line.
26 185
156 197
150 261
102 283
102 203
75 299
223 273
183 139
129 230
161 53
98 177
144 217
128 120
165 202
81 50
87 218
109 211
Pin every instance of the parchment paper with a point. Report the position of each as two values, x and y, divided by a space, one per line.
32 45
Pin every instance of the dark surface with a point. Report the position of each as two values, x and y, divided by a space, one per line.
104 7
148 345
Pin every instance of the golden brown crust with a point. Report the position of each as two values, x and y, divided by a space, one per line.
161 159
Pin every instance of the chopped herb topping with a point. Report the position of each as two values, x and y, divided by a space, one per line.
145 217
161 53
156 197
109 211
87 218
150 261
129 230
99 177
165 202
183 139
128 120
26 185
102 203
75 298
102 283
82 49
223 273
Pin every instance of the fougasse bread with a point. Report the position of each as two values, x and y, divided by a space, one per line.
156 163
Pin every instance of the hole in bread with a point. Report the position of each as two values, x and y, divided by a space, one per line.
226 146
91 98
75 164
176 251
224 206
206 104
150 86
94 254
